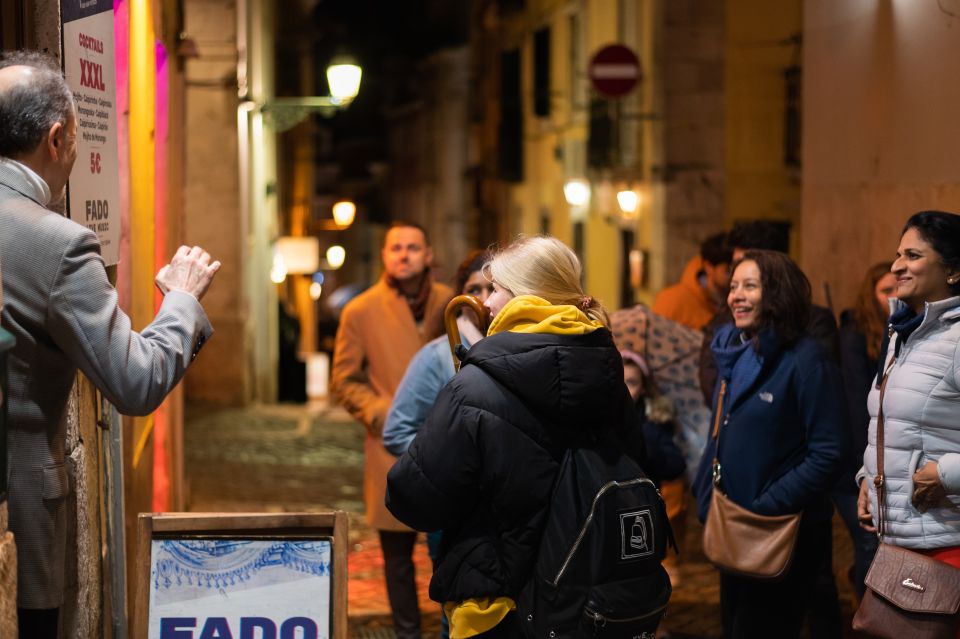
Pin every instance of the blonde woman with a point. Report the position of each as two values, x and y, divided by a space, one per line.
548 377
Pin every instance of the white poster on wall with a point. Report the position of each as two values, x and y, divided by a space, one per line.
88 63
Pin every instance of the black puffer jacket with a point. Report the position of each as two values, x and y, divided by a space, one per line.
482 467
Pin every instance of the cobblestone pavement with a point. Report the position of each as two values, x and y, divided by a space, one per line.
288 458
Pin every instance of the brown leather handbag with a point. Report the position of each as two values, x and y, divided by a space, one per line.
742 542
908 593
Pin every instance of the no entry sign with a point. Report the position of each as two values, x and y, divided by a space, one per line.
614 70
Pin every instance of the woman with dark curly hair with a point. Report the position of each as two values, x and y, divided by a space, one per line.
780 437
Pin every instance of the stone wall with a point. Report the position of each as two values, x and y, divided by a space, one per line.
880 130
693 173
428 147
212 197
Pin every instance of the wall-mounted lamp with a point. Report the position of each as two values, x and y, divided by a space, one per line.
343 77
629 202
336 256
577 192
343 213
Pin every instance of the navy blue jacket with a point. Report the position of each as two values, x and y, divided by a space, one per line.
784 437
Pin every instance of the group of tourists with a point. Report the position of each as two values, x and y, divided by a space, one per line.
805 418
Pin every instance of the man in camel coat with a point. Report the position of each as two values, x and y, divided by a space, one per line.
379 333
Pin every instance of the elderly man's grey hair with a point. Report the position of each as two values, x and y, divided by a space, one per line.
29 109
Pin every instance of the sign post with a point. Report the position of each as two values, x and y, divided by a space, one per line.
614 71
276 576
88 62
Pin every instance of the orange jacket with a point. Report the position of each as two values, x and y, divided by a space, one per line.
686 302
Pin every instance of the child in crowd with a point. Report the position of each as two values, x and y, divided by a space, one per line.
664 460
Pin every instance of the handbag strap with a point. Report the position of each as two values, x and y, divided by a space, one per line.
880 480
716 432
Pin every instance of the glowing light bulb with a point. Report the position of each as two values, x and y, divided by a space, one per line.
336 256
343 76
344 212
577 192
629 202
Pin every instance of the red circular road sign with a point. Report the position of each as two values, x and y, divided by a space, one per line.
614 70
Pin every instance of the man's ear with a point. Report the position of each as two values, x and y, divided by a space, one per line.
429 256
54 140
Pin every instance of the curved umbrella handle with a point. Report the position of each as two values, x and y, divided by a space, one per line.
450 321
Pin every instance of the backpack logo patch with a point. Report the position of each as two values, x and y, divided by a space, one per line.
636 534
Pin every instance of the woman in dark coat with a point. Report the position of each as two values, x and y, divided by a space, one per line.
547 377
782 436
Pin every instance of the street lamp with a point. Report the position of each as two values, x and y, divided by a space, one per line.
343 213
577 194
343 76
336 256
629 201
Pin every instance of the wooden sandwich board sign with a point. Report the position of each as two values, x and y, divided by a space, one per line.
269 576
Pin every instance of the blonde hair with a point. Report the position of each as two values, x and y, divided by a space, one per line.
546 267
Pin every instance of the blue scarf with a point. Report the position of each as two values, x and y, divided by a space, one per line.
904 322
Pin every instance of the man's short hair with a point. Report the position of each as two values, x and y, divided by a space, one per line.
29 109
716 250
407 224
760 234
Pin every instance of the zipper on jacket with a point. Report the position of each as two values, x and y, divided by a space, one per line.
586 524
600 620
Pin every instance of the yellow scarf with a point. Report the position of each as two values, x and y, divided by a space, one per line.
476 616
532 314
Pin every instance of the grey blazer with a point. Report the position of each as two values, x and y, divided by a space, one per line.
63 312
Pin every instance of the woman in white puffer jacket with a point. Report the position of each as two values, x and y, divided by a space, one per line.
921 401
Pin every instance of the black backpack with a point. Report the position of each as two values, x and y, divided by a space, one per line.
598 570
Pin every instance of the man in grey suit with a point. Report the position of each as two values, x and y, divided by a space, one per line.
63 312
